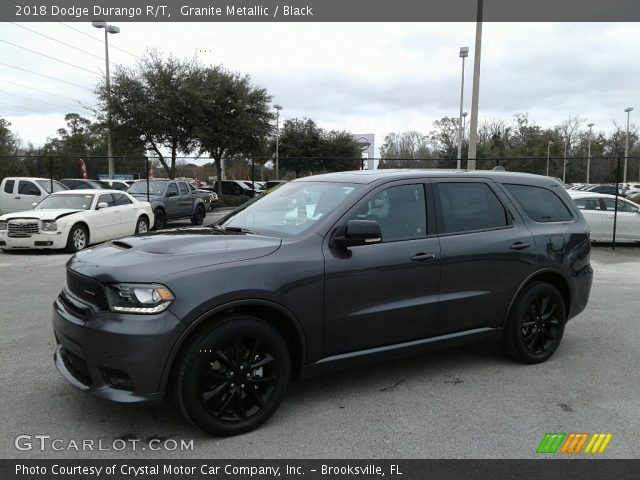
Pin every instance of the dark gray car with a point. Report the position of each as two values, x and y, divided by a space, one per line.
325 272
170 200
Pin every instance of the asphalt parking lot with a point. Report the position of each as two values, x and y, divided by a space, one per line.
463 403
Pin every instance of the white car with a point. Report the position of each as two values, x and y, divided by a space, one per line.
74 219
599 208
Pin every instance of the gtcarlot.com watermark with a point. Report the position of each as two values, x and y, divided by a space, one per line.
44 443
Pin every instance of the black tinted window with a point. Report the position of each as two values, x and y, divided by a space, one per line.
27 188
8 187
172 191
465 207
106 198
400 211
121 199
540 204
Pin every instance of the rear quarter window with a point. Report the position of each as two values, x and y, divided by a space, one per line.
540 204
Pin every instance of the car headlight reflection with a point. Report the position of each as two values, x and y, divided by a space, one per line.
142 299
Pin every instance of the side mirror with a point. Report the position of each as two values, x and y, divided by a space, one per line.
102 205
359 232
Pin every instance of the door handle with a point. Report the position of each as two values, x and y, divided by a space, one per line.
520 245
18 198
421 257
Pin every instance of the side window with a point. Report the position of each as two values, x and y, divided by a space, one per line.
121 199
540 204
27 188
465 207
622 206
184 191
8 186
106 198
400 211
587 203
172 191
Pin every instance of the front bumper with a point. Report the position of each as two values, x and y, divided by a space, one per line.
117 357
40 240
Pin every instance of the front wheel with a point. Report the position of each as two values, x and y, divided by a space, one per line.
536 324
78 239
142 226
233 376
160 219
198 216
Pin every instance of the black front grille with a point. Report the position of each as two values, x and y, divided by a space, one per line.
22 229
88 289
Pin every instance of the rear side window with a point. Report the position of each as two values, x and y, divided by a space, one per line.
540 204
464 207
8 187
121 199
184 191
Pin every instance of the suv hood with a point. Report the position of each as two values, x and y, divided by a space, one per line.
154 256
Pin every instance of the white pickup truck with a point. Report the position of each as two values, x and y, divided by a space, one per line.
20 193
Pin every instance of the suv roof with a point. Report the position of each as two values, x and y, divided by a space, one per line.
370 176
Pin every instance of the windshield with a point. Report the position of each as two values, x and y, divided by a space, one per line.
155 188
78 201
291 209
46 184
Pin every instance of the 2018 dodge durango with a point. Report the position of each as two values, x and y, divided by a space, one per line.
325 272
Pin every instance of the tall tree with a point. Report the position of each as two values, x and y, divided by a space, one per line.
10 165
232 116
153 103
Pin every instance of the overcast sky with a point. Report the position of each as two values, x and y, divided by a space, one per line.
364 77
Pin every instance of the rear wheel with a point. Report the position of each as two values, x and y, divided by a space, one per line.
160 219
78 239
198 216
536 324
233 376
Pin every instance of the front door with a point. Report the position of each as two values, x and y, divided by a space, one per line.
384 293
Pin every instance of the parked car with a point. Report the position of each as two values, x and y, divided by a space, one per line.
21 193
234 187
598 209
209 198
121 185
324 272
82 184
273 183
607 189
74 219
170 200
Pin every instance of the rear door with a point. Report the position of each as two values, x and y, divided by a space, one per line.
186 199
487 252
599 219
385 293
128 213
628 221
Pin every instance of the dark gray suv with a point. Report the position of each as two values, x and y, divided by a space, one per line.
325 272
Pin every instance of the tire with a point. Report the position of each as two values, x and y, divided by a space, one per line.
160 219
142 225
198 215
536 324
78 239
232 376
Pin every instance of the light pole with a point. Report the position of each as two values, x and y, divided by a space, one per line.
473 123
464 53
548 155
107 30
278 108
626 145
564 164
589 152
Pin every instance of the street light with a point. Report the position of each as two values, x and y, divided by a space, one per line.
589 152
108 29
626 145
548 155
464 53
564 164
278 108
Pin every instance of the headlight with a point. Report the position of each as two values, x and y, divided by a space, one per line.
137 298
3 224
49 226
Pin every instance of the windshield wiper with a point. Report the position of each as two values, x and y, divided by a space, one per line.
235 229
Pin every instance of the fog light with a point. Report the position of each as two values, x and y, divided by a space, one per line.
118 379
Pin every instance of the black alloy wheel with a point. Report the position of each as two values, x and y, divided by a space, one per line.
160 219
233 376
198 216
536 324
